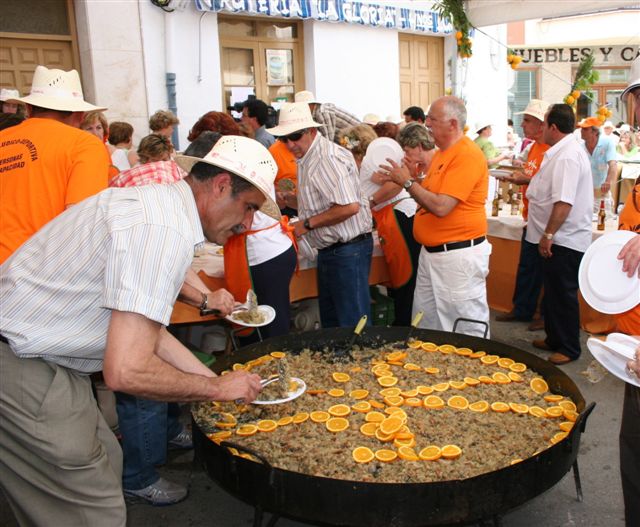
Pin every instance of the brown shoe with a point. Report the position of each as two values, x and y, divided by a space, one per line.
506 317
559 359
536 325
541 344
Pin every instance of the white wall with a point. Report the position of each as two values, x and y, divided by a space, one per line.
354 67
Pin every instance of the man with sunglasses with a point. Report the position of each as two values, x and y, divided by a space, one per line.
334 216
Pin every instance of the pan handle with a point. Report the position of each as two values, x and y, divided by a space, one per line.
474 321
247 450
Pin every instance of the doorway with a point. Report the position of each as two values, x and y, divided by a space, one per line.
421 70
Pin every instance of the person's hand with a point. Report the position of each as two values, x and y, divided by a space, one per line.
544 247
237 386
517 162
379 177
633 366
605 187
285 199
517 178
398 174
630 255
298 229
221 300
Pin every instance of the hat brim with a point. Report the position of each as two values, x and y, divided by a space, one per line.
632 86
59 104
281 130
269 207
535 115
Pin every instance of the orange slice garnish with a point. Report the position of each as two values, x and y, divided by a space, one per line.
451 451
458 385
568 405
536 411
433 401
441 387
337 424
246 430
359 394
319 416
463 352
446 349
339 410
374 417
409 393
479 406
389 380
277 354
375 404
284 421
362 454
267 425
489 359
407 453
477 354
394 400
391 425
515 377
485 379
396 355
471 381
518 367
362 407
519 408
505 362
413 401
558 437
390 392
414 344
336 392
429 346
430 453
458 401
341 377
500 407
555 411
385 438
410 366
432 370
501 378
369 429
570 416
301 417
237 366
553 398
539 385
219 437
424 390
385 455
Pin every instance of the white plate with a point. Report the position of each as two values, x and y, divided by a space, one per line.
302 387
623 345
499 174
613 362
602 283
268 311
382 148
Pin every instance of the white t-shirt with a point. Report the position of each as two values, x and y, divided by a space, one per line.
120 159
267 244
564 175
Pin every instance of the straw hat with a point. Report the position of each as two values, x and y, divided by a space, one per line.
246 158
634 79
58 90
305 96
7 95
483 123
536 108
372 119
294 116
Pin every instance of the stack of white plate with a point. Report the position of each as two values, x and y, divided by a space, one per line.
614 353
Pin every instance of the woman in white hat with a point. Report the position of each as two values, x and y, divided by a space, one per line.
493 155
10 100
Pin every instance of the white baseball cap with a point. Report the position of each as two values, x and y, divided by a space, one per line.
294 116
246 158
58 90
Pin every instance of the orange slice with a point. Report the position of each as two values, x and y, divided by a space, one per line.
336 392
389 380
219 437
267 425
407 453
489 359
405 433
374 417
277 354
470 381
477 354
429 346
479 406
553 398
395 362
339 410
415 344
464 352
459 402
390 410
430 453
424 390
410 366
446 349
570 416
486 379
390 392
300 418
385 455
441 387
394 400
500 407
284 421
385 438
536 411
337 424
391 425
409 393
568 405
451 451
397 355
539 385
355 369
362 454
515 461
555 411
501 378
413 401
246 430
381 372
518 367
410 442
359 394
228 421
558 437
319 416
341 377
458 385
369 429
505 362
433 401
362 407
375 404
566 426
515 377
432 370
519 408
237 366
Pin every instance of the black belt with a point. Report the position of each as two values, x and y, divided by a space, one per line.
453 245
4 339
357 239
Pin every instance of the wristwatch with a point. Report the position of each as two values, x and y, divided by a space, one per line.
407 184
205 302
548 236
307 225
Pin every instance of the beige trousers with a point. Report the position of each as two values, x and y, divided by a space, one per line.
59 462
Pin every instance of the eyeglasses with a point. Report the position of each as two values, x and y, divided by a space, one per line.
295 136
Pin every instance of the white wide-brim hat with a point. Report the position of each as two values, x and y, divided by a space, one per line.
305 96
294 116
12 96
536 108
634 79
372 119
483 123
58 90
246 158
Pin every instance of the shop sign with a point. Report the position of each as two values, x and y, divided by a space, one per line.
615 55
351 12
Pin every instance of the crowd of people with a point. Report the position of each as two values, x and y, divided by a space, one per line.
97 238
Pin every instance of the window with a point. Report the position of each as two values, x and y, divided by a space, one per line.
525 88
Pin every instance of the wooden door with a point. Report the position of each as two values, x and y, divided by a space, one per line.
421 70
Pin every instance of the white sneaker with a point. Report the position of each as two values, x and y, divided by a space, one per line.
162 492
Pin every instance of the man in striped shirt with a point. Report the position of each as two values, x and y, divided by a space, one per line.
334 216
93 290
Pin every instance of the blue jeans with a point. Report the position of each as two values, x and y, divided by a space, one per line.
146 427
343 283
528 280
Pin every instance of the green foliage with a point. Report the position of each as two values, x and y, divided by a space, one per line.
453 10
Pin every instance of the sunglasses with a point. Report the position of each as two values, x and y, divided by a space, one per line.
295 136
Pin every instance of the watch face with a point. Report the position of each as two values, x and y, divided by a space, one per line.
407 184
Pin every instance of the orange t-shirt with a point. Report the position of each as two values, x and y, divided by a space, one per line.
629 321
45 166
287 166
534 160
459 171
